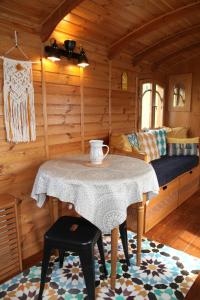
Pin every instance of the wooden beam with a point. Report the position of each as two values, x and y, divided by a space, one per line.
44 105
56 16
149 26
174 54
82 109
164 42
110 96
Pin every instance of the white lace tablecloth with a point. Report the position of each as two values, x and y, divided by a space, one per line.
99 194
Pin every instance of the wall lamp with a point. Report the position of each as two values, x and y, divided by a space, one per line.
55 53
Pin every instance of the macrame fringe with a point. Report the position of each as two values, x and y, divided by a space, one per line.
19 109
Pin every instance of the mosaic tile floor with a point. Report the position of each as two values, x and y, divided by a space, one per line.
164 274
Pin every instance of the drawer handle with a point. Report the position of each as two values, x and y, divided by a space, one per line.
164 187
190 172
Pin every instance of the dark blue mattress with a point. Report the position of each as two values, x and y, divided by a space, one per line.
168 168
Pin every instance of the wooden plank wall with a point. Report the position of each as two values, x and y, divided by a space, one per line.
19 162
189 119
70 110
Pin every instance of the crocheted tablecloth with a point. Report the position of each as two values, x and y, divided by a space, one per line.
99 194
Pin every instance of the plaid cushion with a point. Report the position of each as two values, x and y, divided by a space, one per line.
133 140
160 135
147 143
183 149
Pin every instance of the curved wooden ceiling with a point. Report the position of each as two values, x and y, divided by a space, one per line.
152 31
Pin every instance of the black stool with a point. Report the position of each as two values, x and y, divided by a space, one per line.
124 239
77 235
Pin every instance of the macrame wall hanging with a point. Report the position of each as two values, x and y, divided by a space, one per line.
18 94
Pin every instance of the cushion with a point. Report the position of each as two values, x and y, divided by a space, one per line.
178 132
133 140
168 168
120 141
187 146
147 144
167 129
160 140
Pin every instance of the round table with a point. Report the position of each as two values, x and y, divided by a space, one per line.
99 193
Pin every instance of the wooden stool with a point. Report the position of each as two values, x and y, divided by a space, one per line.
10 251
77 235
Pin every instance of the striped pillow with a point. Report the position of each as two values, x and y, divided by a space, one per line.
187 146
147 144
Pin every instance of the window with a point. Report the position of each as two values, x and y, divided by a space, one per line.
151 104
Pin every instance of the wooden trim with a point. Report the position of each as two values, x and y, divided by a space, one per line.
149 26
56 16
82 110
163 42
44 107
137 104
174 54
110 96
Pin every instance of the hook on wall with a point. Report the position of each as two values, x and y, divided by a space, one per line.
16 46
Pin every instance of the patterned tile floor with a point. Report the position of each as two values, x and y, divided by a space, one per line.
164 274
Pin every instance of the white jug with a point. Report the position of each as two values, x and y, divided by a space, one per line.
96 151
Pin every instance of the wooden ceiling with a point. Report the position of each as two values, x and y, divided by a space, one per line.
160 32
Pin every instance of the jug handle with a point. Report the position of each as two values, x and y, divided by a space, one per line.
106 151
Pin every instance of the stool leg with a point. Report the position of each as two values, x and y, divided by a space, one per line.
124 238
61 258
87 262
45 263
101 251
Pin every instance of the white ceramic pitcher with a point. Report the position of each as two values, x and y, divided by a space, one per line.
96 151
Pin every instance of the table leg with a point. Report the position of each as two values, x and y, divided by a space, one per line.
114 250
140 228
53 209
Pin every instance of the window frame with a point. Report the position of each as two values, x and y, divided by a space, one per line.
154 82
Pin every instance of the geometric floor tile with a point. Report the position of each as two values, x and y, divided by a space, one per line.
164 274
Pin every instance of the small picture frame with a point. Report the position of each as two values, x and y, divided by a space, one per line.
124 81
180 88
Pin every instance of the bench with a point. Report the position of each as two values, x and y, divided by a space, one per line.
178 178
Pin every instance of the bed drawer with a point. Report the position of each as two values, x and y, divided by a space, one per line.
189 184
162 205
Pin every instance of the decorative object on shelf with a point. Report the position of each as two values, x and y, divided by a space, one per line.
124 81
55 52
180 87
18 94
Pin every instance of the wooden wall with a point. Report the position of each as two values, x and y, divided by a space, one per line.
72 106
19 162
189 119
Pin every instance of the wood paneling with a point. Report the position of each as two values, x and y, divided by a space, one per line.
189 119
72 107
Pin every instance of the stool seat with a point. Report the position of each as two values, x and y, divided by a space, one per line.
77 235
64 231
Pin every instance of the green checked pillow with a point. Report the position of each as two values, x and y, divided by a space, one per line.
161 141
133 140
187 146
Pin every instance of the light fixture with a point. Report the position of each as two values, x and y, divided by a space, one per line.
82 59
52 51
55 53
